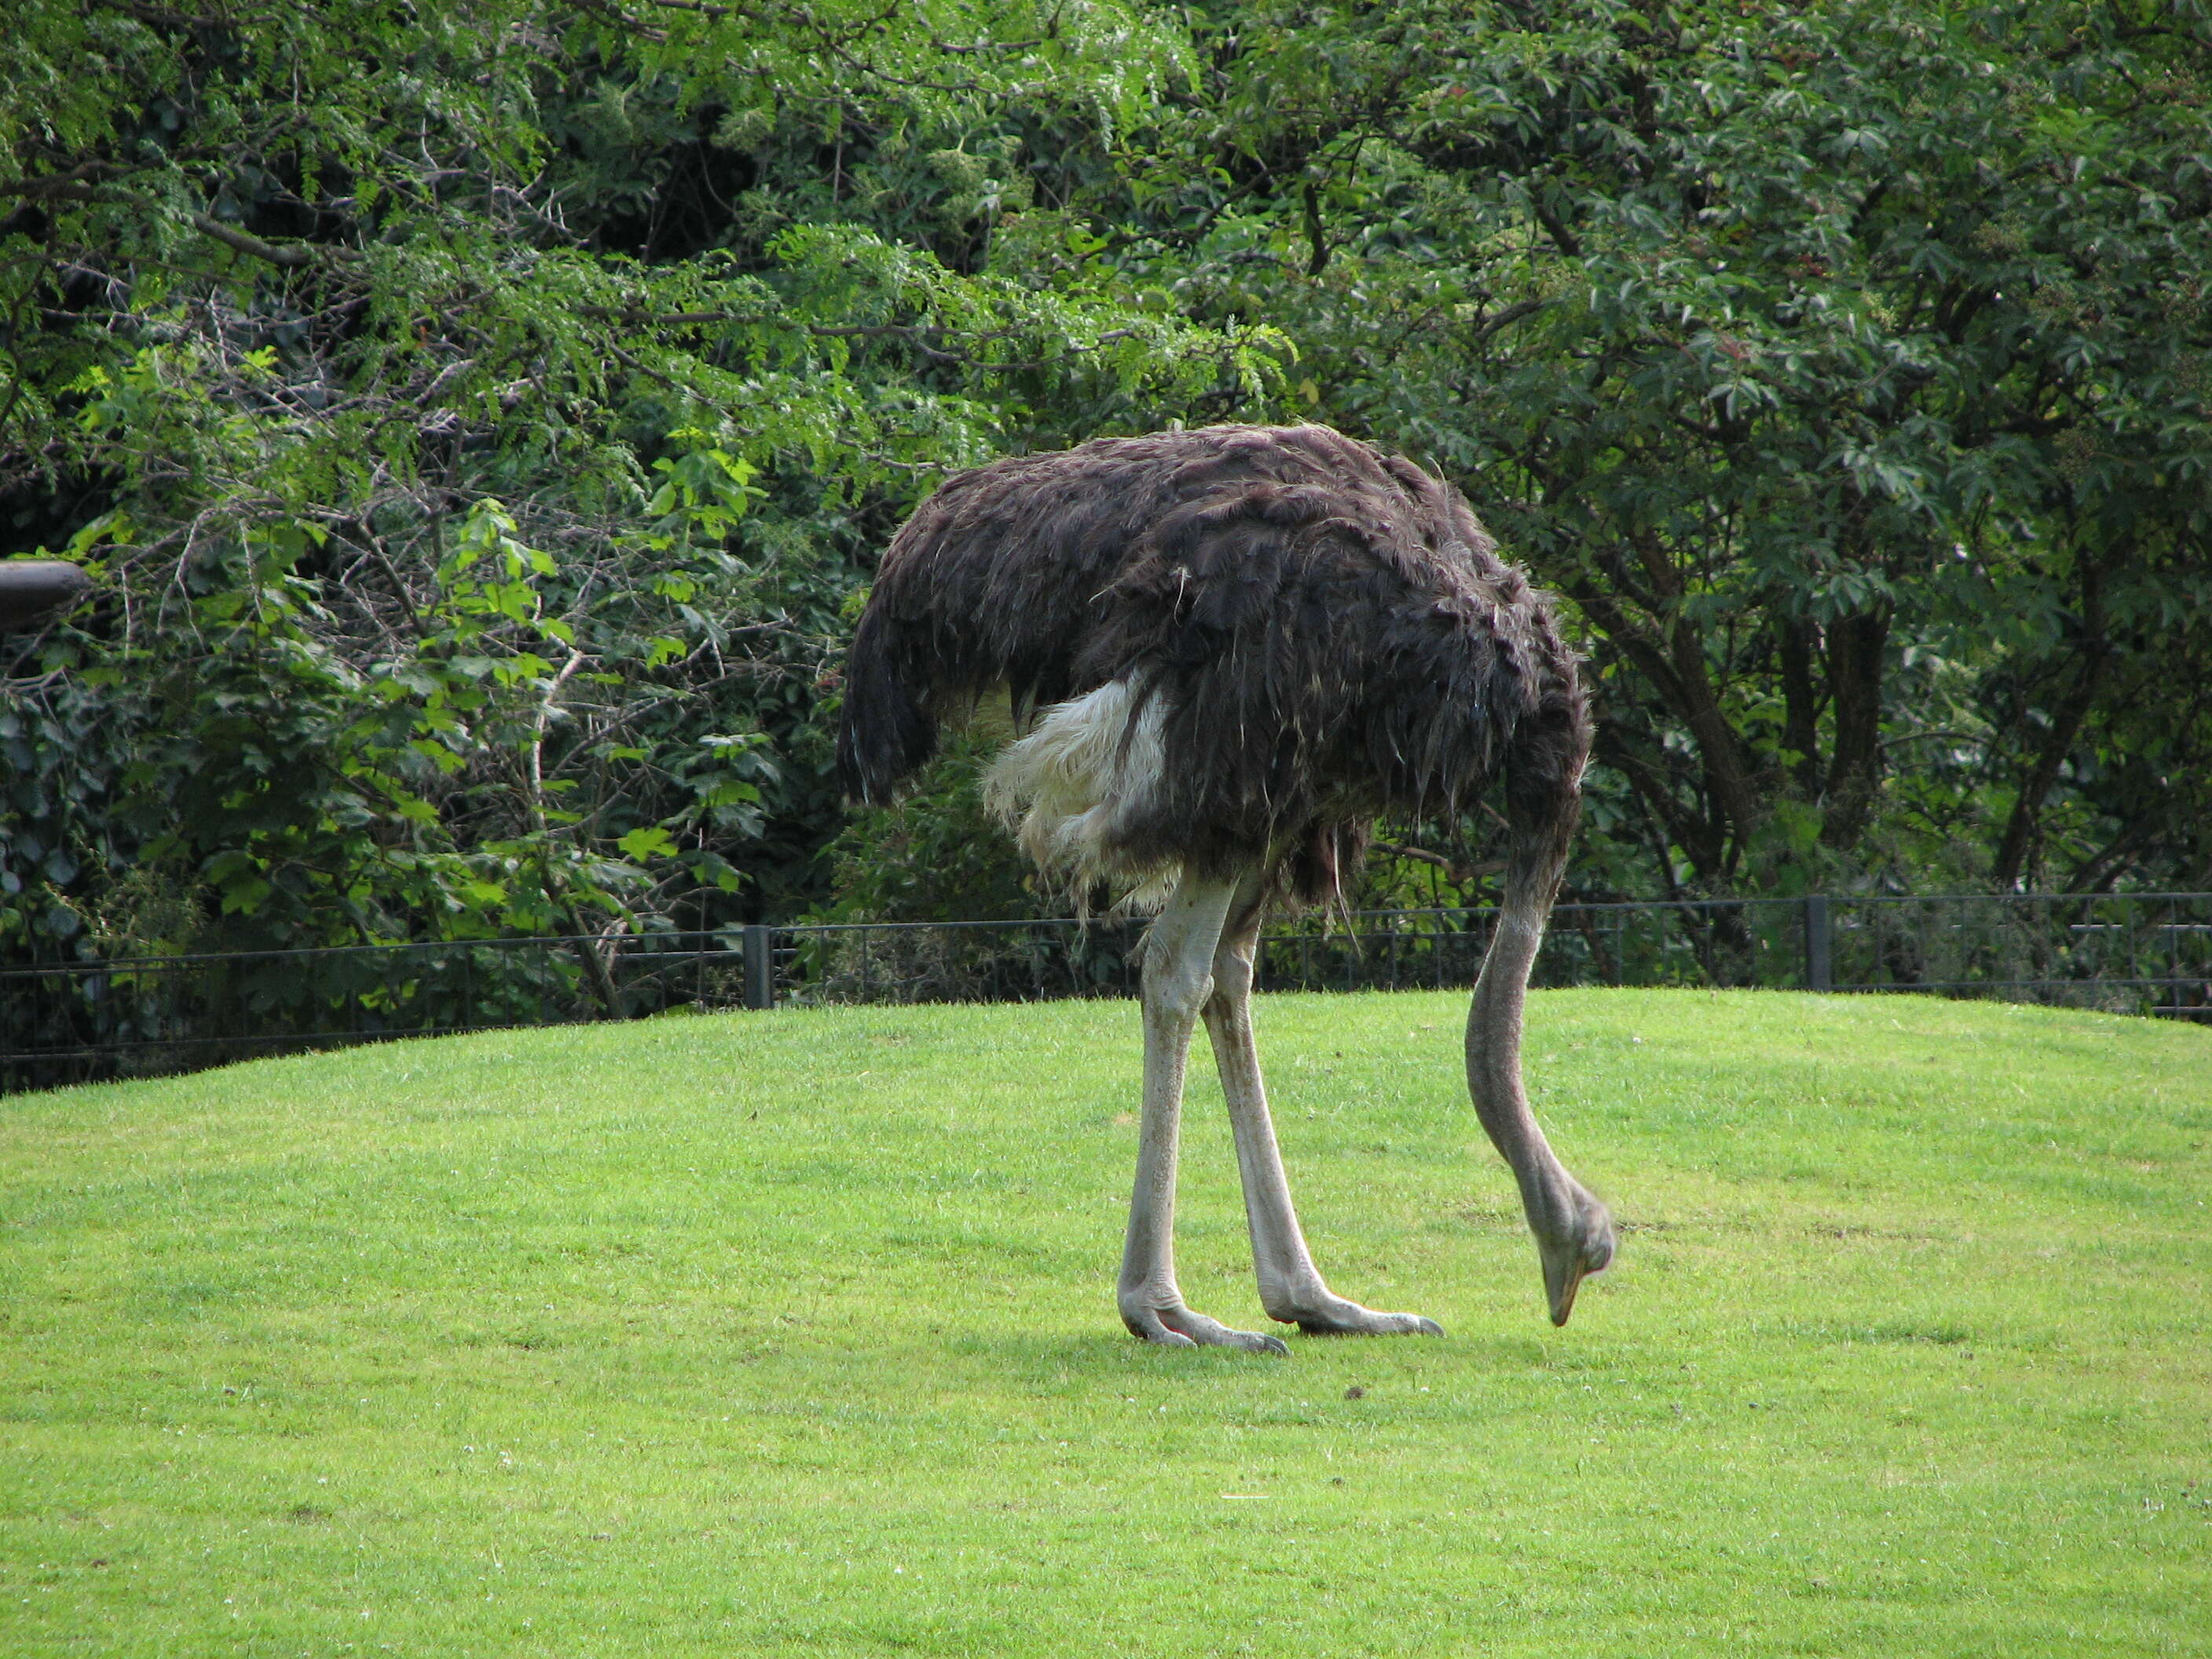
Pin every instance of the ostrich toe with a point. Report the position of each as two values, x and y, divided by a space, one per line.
1167 1321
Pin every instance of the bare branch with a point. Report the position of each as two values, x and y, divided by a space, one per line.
290 253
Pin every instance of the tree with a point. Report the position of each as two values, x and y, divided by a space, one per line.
481 417
477 414
1841 366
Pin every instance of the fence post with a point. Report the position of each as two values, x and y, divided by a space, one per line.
760 966
1819 955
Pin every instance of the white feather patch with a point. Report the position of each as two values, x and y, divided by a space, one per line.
1090 765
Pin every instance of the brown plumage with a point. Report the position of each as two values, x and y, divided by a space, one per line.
1229 651
1333 634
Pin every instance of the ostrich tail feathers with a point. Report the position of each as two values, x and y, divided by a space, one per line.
885 732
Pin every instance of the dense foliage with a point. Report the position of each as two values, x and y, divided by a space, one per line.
480 417
1845 366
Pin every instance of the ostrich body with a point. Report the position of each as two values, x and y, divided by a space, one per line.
1231 650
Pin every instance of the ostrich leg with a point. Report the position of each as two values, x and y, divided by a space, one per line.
1177 951
1574 1233
1290 1287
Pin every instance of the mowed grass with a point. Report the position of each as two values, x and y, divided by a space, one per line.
795 1333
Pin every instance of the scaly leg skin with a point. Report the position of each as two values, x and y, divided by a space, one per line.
1290 1287
1177 984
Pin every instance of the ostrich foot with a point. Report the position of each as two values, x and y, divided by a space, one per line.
1587 1248
1161 1317
1319 1311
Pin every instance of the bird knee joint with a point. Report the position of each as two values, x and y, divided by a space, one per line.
1178 996
1232 980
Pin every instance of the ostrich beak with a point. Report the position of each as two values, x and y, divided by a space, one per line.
1561 1284
1566 1264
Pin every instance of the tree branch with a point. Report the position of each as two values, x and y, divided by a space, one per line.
1556 228
293 254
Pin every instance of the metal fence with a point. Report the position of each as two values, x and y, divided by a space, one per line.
2136 953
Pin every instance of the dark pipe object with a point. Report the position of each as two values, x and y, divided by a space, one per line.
29 588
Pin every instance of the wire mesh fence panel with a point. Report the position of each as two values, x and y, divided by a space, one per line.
1373 951
1706 943
1691 943
2137 953
2129 953
957 962
148 1016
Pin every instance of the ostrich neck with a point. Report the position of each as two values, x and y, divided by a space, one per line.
1493 1068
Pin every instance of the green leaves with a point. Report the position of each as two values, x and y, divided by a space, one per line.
643 844
479 423
1737 323
481 426
706 488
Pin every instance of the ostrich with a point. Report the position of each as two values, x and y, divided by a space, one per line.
1230 650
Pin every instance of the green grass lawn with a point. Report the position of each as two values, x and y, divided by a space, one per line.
795 1333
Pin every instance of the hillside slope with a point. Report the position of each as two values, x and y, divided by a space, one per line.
795 1333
